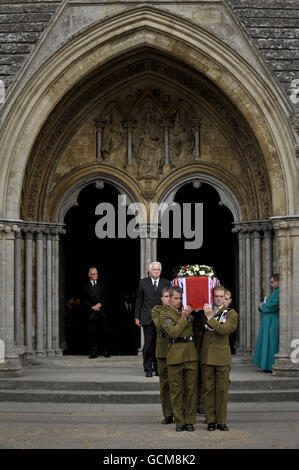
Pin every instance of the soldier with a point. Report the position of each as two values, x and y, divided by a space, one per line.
182 361
161 353
215 359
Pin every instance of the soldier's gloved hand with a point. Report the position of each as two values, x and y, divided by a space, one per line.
186 311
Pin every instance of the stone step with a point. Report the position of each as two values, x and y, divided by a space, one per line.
132 397
131 386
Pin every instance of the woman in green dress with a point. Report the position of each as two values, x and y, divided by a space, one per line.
267 344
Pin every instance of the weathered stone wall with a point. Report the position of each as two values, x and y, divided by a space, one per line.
273 28
21 25
272 25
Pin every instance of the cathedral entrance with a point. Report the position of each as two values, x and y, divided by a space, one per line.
160 132
117 261
218 249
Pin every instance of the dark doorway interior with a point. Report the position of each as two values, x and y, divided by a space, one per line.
117 261
218 248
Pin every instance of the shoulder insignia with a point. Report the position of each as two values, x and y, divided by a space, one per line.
168 322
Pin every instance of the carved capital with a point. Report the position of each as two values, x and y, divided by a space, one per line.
281 227
166 123
100 123
196 123
9 228
129 124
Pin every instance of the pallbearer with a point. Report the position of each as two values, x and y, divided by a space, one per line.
182 361
215 359
161 354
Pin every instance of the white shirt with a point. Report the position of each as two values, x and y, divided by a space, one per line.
155 280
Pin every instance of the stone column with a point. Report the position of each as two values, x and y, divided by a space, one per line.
39 294
28 291
129 125
10 363
257 284
18 288
49 320
148 253
196 124
167 124
242 300
251 276
248 289
143 273
55 291
100 126
287 232
268 263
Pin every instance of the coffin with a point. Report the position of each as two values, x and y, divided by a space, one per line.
196 290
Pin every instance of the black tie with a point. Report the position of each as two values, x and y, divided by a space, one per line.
155 286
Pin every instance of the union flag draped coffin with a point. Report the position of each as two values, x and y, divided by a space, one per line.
197 291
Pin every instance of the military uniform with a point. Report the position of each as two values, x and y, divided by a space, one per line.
161 354
182 363
215 360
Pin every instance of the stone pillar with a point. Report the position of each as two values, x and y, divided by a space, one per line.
196 124
287 232
253 272
242 300
129 125
248 290
40 302
18 288
39 295
268 259
148 254
10 363
167 124
49 321
100 126
28 291
257 283
55 291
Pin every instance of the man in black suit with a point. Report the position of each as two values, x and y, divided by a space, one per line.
94 299
148 295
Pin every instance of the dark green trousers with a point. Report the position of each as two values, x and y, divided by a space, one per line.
215 384
164 387
183 391
199 389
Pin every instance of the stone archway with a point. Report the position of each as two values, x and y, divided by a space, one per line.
51 105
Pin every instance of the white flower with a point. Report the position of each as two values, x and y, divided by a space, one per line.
201 273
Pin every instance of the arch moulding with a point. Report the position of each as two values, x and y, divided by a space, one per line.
67 191
194 175
30 107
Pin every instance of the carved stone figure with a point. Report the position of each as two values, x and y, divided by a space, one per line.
182 142
148 147
114 142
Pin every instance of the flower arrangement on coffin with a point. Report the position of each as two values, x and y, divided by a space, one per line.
196 270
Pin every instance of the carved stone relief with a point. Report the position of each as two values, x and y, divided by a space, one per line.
163 130
182 141
114 139
148 148
148 144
